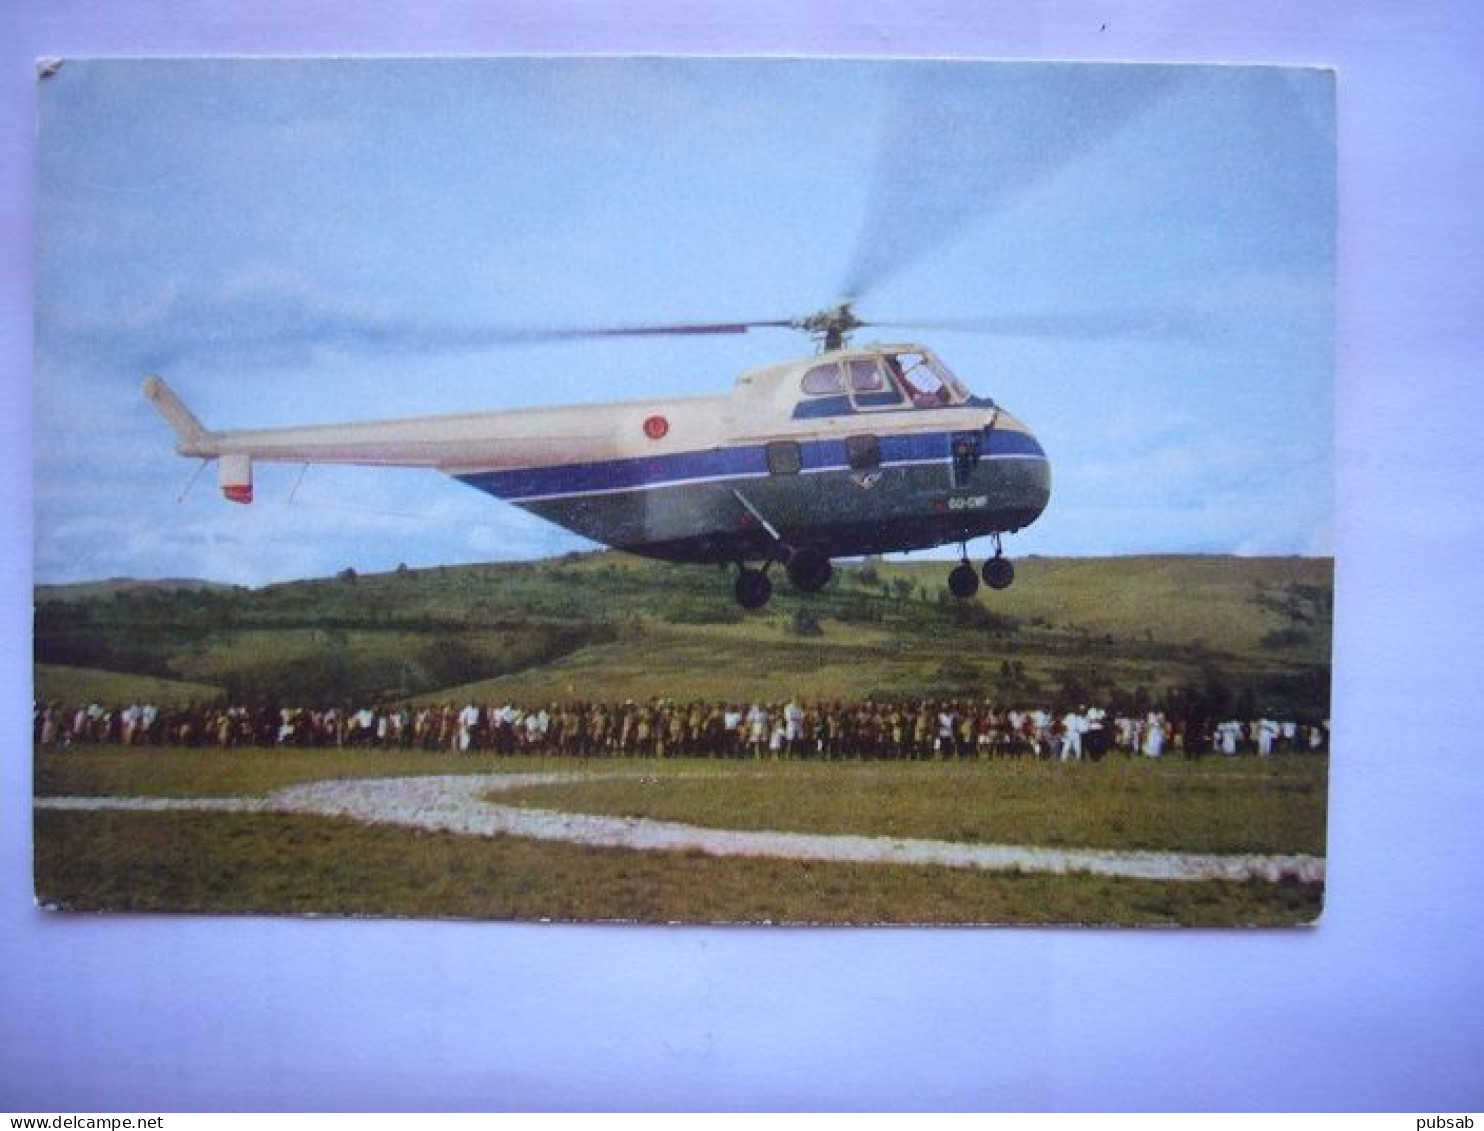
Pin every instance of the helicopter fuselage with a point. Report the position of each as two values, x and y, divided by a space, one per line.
859 465
856 451
841 487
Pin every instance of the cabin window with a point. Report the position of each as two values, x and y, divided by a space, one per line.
863 453
784 457
824 379
870 386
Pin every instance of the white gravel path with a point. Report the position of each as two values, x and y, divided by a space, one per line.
460 805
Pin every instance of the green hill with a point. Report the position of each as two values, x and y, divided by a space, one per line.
70 685
84 590
610 626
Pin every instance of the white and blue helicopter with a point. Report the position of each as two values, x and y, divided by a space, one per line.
854 450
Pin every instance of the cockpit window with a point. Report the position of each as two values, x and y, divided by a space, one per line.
924 386
824 379
926 381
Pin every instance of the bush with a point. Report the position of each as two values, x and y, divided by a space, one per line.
1286 638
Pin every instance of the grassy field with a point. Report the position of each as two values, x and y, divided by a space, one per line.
110 771
300 865
275 863
1120 804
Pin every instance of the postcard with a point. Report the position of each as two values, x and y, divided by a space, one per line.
666 490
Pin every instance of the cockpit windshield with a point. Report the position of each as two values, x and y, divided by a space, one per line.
926 380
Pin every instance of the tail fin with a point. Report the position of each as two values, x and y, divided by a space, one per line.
192 438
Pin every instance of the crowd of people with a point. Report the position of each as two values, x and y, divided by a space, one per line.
914 729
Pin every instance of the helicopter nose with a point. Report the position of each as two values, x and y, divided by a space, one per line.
1021 467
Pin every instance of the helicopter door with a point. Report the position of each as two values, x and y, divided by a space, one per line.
966 448
863 453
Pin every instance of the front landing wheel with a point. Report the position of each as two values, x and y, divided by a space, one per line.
810 571
999 573
752 588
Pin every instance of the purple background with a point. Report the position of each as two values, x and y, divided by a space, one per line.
1381 1006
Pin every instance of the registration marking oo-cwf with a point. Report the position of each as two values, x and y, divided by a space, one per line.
967 502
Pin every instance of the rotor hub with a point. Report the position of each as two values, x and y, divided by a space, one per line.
830 327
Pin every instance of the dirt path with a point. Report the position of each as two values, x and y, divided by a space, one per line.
459 805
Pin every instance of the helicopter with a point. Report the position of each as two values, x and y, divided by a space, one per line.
850 451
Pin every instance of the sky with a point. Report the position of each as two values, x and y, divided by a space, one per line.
1147 253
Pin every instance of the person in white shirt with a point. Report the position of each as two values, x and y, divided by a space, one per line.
468 724
1073 726
1154 735
1267 734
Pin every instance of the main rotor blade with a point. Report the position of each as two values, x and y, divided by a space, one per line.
247 327
500 335
961 142
1172 324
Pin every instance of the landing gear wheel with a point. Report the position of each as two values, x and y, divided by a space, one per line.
810 571
752 588
963 582
998 573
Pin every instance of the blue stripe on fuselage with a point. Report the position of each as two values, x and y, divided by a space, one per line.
724 463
